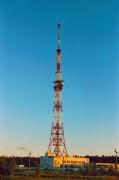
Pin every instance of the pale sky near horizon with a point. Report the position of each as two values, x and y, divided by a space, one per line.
90 63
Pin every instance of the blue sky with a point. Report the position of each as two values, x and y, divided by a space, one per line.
89 43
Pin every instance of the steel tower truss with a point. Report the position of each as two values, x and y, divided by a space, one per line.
57 142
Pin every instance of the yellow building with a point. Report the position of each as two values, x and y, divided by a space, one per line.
49 161
112 165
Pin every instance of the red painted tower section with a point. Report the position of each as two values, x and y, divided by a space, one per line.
57 142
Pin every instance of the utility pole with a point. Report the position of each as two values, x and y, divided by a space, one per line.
29 161
116 155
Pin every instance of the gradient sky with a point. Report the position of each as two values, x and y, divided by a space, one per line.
90 45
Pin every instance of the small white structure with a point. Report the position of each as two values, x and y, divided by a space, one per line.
20 166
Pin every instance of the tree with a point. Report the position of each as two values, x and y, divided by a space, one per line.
12 165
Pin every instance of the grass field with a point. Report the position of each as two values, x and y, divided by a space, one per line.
41 178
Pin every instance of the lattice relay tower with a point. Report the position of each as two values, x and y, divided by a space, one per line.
57 146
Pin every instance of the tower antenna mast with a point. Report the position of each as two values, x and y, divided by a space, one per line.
57 142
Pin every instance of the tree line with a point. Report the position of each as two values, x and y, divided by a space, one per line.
9 164
103 159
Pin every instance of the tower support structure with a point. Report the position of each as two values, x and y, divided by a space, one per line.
57 145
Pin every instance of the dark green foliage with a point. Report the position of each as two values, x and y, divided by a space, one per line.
102 159
9 164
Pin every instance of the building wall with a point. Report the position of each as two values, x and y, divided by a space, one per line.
107 165
69 161
48 162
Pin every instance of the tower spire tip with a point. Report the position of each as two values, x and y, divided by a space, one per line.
59 26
